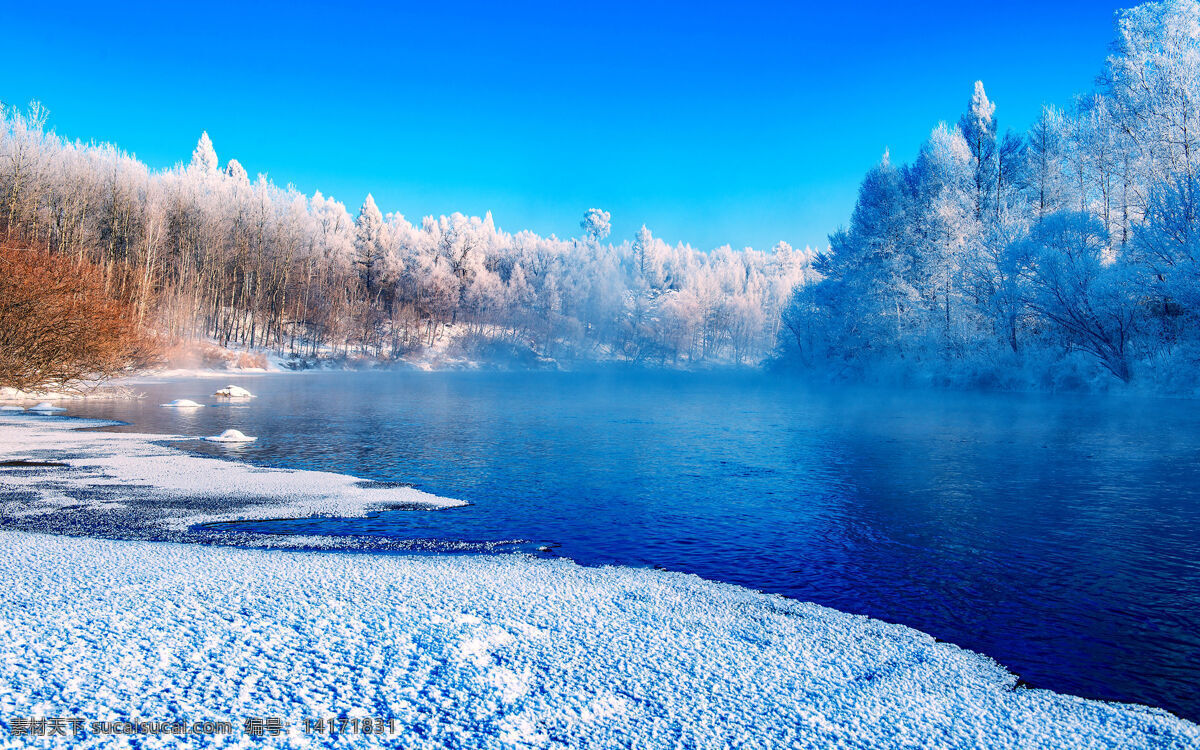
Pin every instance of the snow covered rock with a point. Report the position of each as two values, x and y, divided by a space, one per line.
234 391
182 403
231 436
46 408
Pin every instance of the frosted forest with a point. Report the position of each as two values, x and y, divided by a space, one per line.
1063 257
203 251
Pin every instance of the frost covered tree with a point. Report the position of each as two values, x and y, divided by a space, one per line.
26 151
641 246
866 299
1088 296
368 242
204 157
236 171
1153 82
978 128
1003 258
1167 245
1047 147
208 253
596 224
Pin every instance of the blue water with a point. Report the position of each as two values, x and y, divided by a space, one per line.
1057 535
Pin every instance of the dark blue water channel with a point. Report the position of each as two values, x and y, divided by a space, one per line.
1058 534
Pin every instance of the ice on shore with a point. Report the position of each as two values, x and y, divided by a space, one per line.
234 391
183 403
497 651
10 407
147 472
231 436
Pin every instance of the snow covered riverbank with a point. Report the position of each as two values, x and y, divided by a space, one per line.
496 651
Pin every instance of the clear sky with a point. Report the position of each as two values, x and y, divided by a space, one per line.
736 122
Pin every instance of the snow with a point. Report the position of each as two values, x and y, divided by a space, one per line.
231 436
151 376
93 390
10 407
171 488
183 403
46 407
234 391
497 651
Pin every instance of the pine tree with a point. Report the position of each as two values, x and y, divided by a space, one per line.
368 241
641 245
204 158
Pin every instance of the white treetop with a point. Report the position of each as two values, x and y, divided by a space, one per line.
204 158
235 170
596 223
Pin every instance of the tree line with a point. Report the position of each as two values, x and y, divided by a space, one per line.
1057 257
203 251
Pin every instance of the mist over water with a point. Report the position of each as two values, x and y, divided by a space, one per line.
1055 534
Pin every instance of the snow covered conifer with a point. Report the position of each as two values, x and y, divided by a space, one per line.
204 157
641 245
865 303
368 240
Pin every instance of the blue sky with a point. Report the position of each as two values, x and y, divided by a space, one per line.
741 123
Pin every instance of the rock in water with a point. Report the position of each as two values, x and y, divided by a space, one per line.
183 403
234 391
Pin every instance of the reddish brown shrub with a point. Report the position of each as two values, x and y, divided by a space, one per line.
58 325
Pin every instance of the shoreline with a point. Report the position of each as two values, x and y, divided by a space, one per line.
122 387
874 682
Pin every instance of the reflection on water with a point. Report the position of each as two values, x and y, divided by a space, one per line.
1055 534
